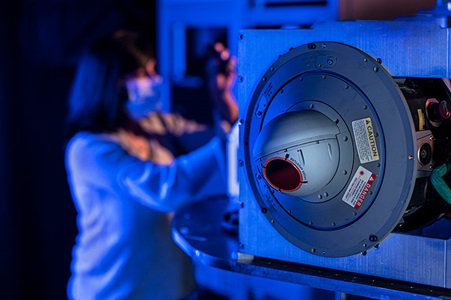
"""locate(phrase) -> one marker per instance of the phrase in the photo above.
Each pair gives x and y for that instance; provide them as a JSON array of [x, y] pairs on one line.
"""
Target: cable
[[439, 183]]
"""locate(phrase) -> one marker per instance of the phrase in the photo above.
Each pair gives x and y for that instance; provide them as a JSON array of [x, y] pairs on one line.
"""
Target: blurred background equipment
[[187, 29]]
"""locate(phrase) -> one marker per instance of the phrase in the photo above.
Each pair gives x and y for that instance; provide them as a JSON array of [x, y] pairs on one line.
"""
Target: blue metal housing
[[407, 49]]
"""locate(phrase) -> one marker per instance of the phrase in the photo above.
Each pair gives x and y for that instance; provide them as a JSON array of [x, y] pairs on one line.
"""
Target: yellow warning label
[[365, 140], [371, 139]]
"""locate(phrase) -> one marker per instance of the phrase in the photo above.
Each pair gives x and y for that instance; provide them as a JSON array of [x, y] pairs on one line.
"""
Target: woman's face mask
[[144, 96]]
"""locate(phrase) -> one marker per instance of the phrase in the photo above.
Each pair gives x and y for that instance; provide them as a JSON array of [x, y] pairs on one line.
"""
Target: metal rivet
[[373, 238]]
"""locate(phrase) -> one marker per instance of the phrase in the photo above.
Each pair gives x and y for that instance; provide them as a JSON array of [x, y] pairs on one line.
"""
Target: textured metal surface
[[199, 231], [407, 48], [416, 49], [403, 257]]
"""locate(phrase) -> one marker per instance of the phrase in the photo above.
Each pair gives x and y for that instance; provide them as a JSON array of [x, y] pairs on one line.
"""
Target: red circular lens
[[282, 174]]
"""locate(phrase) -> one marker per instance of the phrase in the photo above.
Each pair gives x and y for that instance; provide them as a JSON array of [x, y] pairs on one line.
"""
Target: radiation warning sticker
[[365, 140], [359, 187]]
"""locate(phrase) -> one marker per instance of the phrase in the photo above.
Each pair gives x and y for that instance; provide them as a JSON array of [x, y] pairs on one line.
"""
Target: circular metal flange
[[373, 183]]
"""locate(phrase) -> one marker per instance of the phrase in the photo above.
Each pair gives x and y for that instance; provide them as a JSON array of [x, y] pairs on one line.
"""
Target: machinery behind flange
[[429, 104]]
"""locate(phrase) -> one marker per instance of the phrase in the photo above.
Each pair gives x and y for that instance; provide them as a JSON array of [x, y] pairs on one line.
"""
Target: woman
[[127, 168]]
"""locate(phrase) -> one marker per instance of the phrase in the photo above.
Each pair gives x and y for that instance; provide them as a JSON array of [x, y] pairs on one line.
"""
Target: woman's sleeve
[[190, 178]]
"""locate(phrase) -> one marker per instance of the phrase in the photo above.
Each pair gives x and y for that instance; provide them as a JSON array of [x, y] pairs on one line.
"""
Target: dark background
[[40, 42]]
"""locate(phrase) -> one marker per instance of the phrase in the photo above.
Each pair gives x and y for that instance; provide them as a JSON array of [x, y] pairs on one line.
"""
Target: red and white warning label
[[359, 187]]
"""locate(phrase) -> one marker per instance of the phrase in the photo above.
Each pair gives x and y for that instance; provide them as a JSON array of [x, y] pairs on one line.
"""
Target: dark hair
[[96, 101]]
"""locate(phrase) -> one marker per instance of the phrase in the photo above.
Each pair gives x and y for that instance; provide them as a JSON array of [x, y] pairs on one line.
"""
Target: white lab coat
[[124, 248]]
